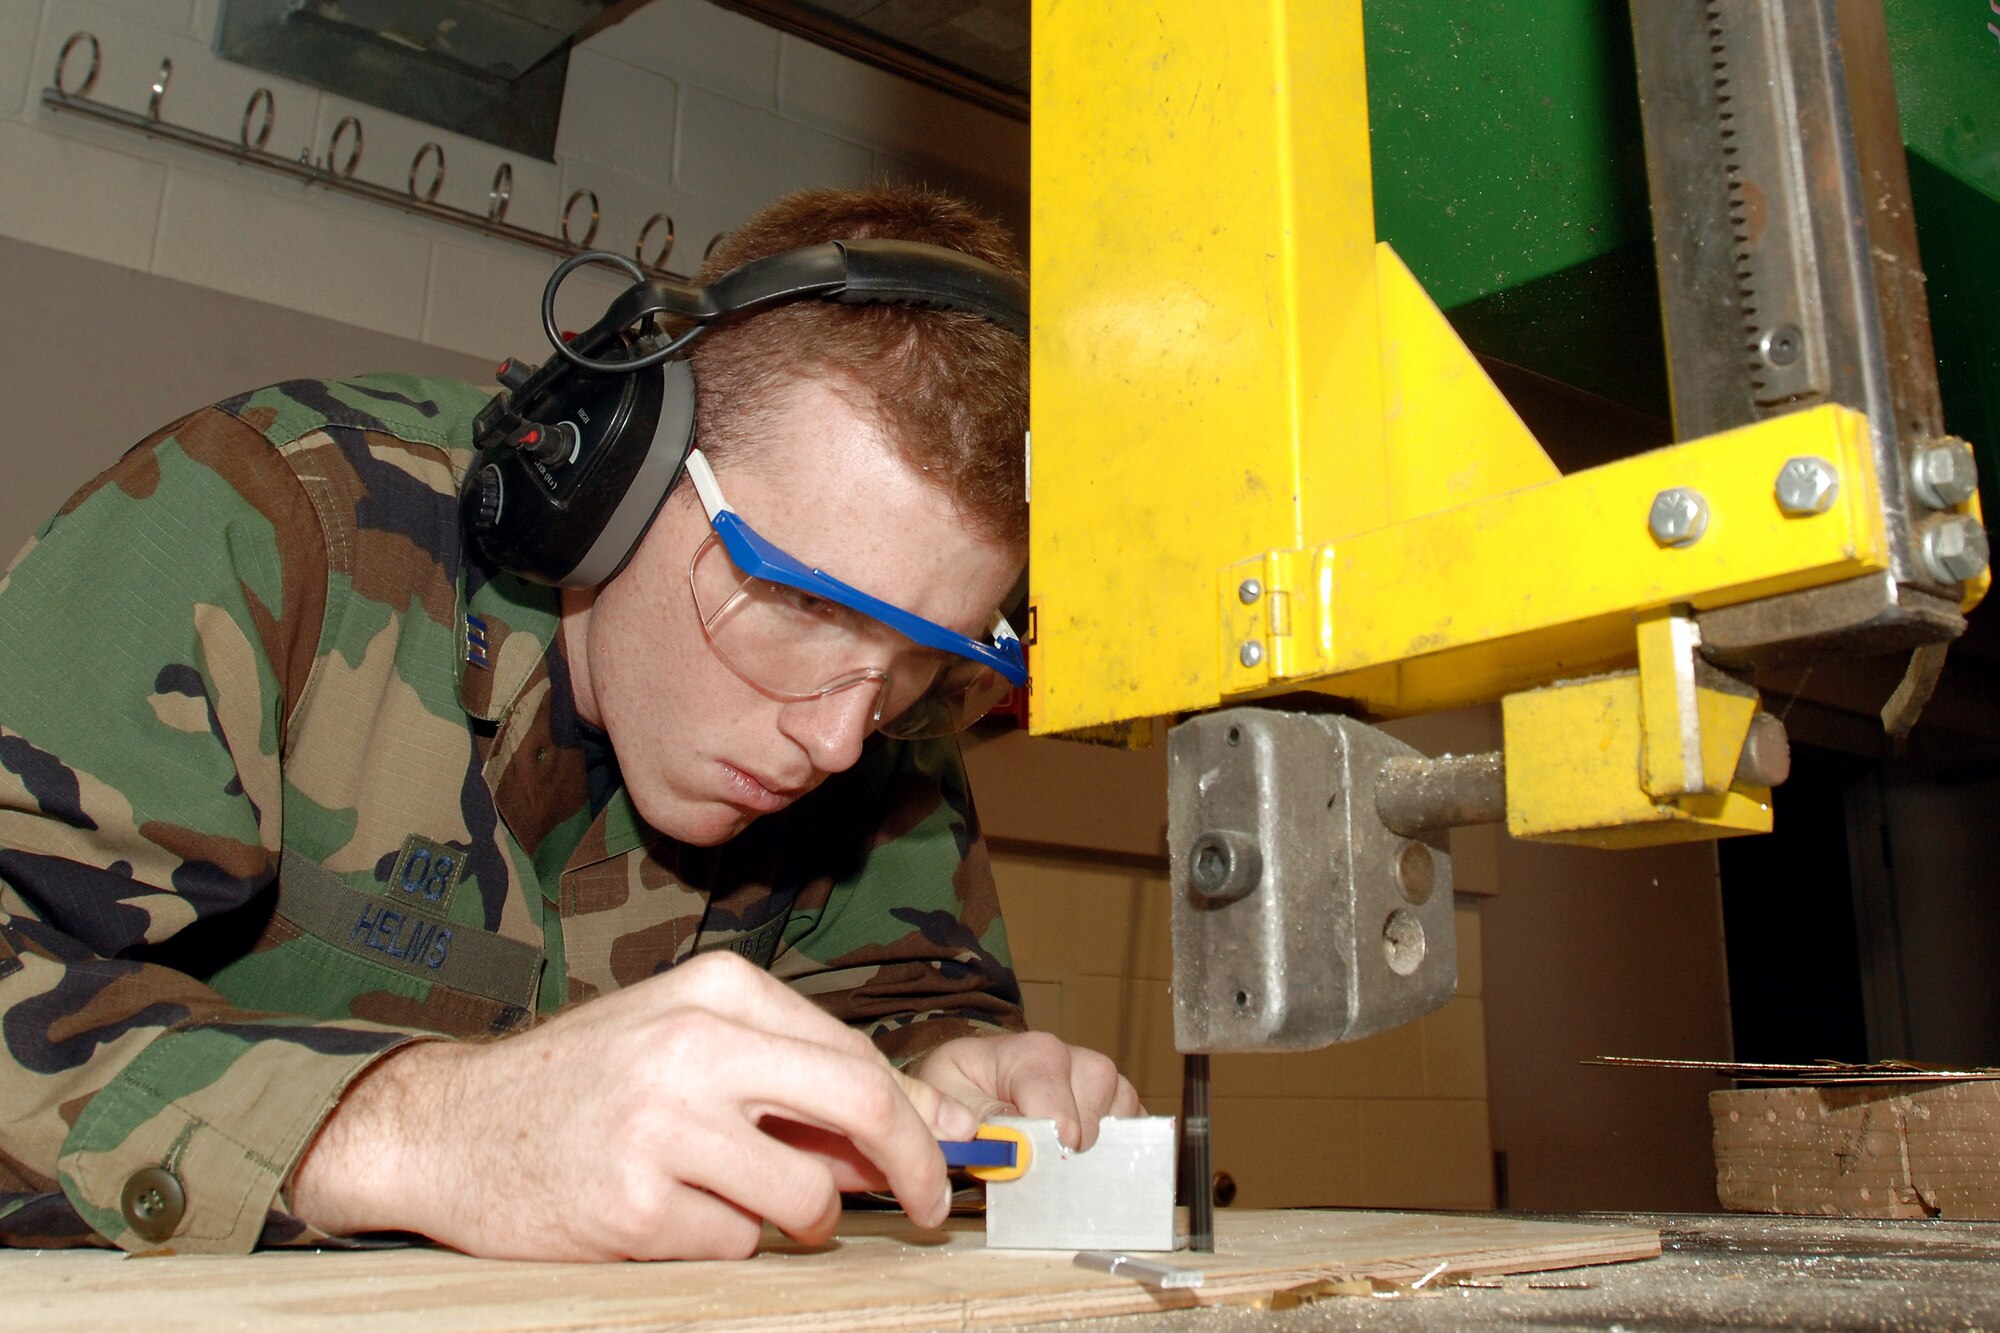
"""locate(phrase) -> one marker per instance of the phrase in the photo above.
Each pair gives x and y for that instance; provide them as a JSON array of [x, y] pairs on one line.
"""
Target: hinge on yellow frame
[[1274, 618]]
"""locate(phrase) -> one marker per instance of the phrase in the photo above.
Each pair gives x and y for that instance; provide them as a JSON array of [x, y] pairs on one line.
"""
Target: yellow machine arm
[[1263, 462], [1264, 465]]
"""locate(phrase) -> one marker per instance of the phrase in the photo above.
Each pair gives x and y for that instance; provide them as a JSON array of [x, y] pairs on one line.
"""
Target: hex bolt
[[1251, 653], [1223, 865], [1954, 548], [1678, 517], [1945, 473], [1248, 591], [1807, 486], [1782, 345]]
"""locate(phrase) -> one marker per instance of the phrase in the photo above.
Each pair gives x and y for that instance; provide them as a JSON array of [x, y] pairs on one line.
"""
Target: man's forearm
[[367, 1168], [630, 1127]]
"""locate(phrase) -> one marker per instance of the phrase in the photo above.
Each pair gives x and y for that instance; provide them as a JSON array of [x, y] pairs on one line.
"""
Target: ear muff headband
[[855, 272], [577, 456]]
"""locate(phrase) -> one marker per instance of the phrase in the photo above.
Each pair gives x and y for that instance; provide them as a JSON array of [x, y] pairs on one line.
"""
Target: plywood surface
[[880, 1273]]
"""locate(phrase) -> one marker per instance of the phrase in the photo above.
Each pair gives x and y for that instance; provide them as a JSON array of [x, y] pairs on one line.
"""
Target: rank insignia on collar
[[475, 641]]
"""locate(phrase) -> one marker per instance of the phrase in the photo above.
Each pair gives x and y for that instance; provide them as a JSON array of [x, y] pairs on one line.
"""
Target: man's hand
[[666, 1120], [1032, 1074]]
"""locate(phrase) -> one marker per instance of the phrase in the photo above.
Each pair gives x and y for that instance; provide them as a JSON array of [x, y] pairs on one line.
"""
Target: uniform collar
[[506, 627], [514, 686]]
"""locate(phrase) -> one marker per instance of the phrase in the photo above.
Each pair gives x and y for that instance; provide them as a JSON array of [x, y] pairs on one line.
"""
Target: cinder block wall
[[683, 108]]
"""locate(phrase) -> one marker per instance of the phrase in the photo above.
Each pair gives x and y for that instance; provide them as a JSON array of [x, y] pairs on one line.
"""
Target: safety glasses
[[797, 633]]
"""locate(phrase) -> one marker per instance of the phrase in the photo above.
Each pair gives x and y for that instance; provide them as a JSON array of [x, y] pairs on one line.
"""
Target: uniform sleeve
[[911, 946], [152, 639]]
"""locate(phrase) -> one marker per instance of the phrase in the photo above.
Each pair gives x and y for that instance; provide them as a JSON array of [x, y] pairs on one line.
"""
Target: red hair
[[951, 385]]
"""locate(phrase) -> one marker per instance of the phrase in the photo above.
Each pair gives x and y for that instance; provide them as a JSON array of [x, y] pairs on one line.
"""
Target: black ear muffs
[[565, 495], [577, 456]]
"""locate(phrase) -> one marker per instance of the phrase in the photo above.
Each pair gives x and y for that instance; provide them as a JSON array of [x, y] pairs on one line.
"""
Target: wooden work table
[[878, 1273]]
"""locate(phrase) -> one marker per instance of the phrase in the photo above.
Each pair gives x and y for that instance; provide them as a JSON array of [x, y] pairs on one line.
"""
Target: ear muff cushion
[[651, 483]]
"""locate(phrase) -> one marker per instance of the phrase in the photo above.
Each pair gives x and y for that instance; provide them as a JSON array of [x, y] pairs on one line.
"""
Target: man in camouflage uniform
[[292, 783]]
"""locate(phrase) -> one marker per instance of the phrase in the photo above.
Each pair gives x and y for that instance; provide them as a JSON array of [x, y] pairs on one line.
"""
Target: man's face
[[703, 752]]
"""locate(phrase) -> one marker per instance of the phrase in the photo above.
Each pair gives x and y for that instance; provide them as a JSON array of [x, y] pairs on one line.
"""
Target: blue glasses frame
[[761, 559]]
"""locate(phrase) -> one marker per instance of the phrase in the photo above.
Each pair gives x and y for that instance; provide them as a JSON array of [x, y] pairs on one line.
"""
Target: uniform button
[[154, 1203]]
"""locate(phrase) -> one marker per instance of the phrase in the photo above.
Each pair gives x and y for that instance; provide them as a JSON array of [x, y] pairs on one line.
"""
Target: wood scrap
[[1870, 1150], [1820, 1071]]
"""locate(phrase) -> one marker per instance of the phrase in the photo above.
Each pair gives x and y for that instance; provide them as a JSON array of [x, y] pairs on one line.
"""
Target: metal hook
[[62, 63], [501, 193], [345, 169], [262, 97], [430, 194], [576, 197], [334, 166], [160, 82], [666, 242]]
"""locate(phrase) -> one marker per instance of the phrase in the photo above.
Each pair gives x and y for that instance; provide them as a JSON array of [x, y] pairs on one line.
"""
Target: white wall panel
[[170, 14], [735, 152], [695, 42], [18, 25], [615, 112], [323, 255], [74, 195], [486, 296], [864, 104]]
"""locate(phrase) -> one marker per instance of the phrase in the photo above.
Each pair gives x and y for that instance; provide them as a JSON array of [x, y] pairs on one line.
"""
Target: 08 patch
[[430, 871], [405, 936], [760, 945]]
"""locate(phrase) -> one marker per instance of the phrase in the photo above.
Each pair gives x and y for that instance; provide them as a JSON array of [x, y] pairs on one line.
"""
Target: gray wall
[[97, 357]]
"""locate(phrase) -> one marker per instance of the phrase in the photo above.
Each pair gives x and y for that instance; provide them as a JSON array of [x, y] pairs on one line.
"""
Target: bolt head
[[1807, 486], [1251, 653], [1678, 517], [1945, 474], [1223, 866], [1955, 548], [1248, 591], [1783, 345], [1209, 866]]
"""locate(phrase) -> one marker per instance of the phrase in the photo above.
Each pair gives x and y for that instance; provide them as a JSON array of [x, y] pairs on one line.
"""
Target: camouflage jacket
[[287, 779]]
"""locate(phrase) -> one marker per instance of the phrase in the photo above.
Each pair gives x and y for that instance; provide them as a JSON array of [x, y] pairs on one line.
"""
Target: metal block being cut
[[1117, 1196], [1299, 918]]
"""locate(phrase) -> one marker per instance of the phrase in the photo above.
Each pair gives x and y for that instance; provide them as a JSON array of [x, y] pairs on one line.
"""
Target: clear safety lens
[[796, 645]]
